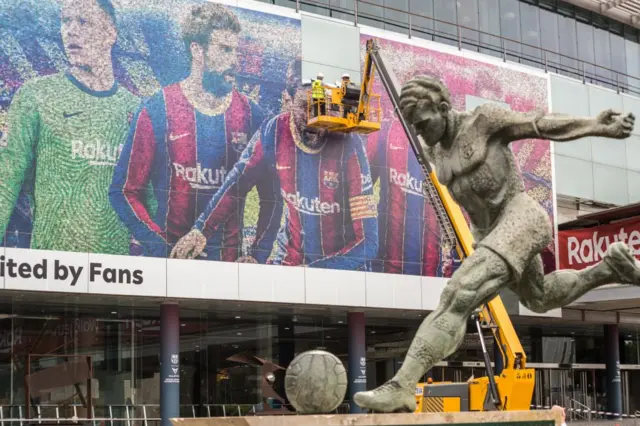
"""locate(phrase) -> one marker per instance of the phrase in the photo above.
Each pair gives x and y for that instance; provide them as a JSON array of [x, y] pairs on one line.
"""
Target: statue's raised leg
[[541, 293], [478, 280]]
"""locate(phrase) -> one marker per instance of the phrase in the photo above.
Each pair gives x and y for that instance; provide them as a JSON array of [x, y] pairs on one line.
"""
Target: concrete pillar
[[357, 357], [286, 344], [169, 362], [614, 384]]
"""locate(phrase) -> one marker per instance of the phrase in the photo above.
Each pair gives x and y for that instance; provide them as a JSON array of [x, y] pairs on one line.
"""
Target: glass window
[[530, 24], [633, 63], [422, 23], [569, 46], [630, 353], [371, 14], [561, 350], [489, 25], [397, 19], [583, 15], [510, 26], [549, 38], [285, 3], [468, 17], [445, 12], [565, 9], [585, 49], [317, 8], [619, 59], [602, 47], [345, 9]]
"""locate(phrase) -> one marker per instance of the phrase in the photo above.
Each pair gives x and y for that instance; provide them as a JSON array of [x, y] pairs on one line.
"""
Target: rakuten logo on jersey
[[407, 183], [311, 206], [585, 251], [201, 177], [96, 153]]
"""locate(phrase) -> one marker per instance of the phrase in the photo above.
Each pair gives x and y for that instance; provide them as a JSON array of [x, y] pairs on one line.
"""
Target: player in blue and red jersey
[[408, 226], [325, 182], [185, 140]]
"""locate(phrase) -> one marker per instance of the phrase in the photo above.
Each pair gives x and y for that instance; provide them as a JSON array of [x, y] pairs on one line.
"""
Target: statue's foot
[[620, 259], [388, 398]]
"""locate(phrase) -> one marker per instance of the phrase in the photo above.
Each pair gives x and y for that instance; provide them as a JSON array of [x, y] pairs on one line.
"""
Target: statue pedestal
[[493, 418]]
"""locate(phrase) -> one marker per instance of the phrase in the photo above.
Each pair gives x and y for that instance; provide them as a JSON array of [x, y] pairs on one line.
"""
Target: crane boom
[[457, 234]]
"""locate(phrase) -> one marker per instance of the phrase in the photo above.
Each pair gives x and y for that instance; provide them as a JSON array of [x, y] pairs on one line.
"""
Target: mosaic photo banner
[[175, 128]]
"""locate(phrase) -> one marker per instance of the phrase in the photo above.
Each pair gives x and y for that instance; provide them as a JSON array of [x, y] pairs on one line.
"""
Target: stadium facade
[[109, 159]]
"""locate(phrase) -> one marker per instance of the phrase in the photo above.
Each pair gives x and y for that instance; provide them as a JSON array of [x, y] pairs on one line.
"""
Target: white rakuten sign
[[584, 247]]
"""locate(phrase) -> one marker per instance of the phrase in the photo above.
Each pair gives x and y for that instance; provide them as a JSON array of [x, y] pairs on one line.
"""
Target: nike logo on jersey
[[71, 114], [173, 137], [201, 177], [395, 147], [96, 153], [279, 167], [310, 206], [407, 183]]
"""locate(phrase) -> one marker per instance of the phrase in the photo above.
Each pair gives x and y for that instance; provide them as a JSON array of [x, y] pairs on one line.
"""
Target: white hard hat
[[320, 75], [345, 75]]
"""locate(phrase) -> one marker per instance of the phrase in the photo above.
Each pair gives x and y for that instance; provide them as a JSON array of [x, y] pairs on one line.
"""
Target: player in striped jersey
[[410, 237], [324, 181], [186, 139]]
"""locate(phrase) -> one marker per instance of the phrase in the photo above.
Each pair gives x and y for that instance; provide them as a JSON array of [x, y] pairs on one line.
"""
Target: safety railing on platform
[[460, 36], [579, 410], [592, 414], [123, 414]]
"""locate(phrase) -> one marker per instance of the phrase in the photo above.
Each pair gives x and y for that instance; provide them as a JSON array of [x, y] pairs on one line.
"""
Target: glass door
[[589, 389], [626, 392], [560, 387], [541, 391]]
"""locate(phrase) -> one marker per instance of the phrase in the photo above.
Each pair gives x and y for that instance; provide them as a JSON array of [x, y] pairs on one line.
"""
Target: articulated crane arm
[[515, 383]]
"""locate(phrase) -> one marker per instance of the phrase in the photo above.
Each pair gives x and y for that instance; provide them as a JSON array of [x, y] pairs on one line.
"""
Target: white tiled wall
[[599, 169]]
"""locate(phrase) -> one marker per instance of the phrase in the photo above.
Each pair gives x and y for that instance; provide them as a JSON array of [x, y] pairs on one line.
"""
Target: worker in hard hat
[[346, 82], [317, 93]]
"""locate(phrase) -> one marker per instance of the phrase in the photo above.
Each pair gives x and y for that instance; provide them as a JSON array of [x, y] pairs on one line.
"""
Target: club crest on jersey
[[367, 182], [239, 141], [330, 179]]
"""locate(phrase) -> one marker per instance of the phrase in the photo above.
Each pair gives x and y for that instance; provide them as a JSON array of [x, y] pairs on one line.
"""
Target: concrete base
[[519, 418]]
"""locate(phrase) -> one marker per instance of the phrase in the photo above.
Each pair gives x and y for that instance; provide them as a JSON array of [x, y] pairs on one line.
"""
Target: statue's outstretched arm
[[512, 125]]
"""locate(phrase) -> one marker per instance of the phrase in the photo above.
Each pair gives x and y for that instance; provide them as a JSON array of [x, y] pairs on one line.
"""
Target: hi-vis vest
[[317, 89]]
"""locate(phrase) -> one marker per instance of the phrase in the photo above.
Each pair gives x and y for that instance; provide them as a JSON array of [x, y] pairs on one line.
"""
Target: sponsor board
[[581, 248]]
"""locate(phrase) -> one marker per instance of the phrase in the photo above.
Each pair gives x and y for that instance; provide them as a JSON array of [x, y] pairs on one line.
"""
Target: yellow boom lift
[[512, 389]]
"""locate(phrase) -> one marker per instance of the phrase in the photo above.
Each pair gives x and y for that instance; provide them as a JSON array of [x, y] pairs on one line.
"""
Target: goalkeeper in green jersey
[[65, 134]]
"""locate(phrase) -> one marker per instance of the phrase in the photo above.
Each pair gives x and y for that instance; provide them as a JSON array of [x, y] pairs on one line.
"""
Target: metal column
[[614, 385], [169, 362], [357, 367]]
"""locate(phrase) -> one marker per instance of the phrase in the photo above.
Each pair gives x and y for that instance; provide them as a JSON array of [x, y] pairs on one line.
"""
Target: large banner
[[133, 130], [470, 83], [580, 248]]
